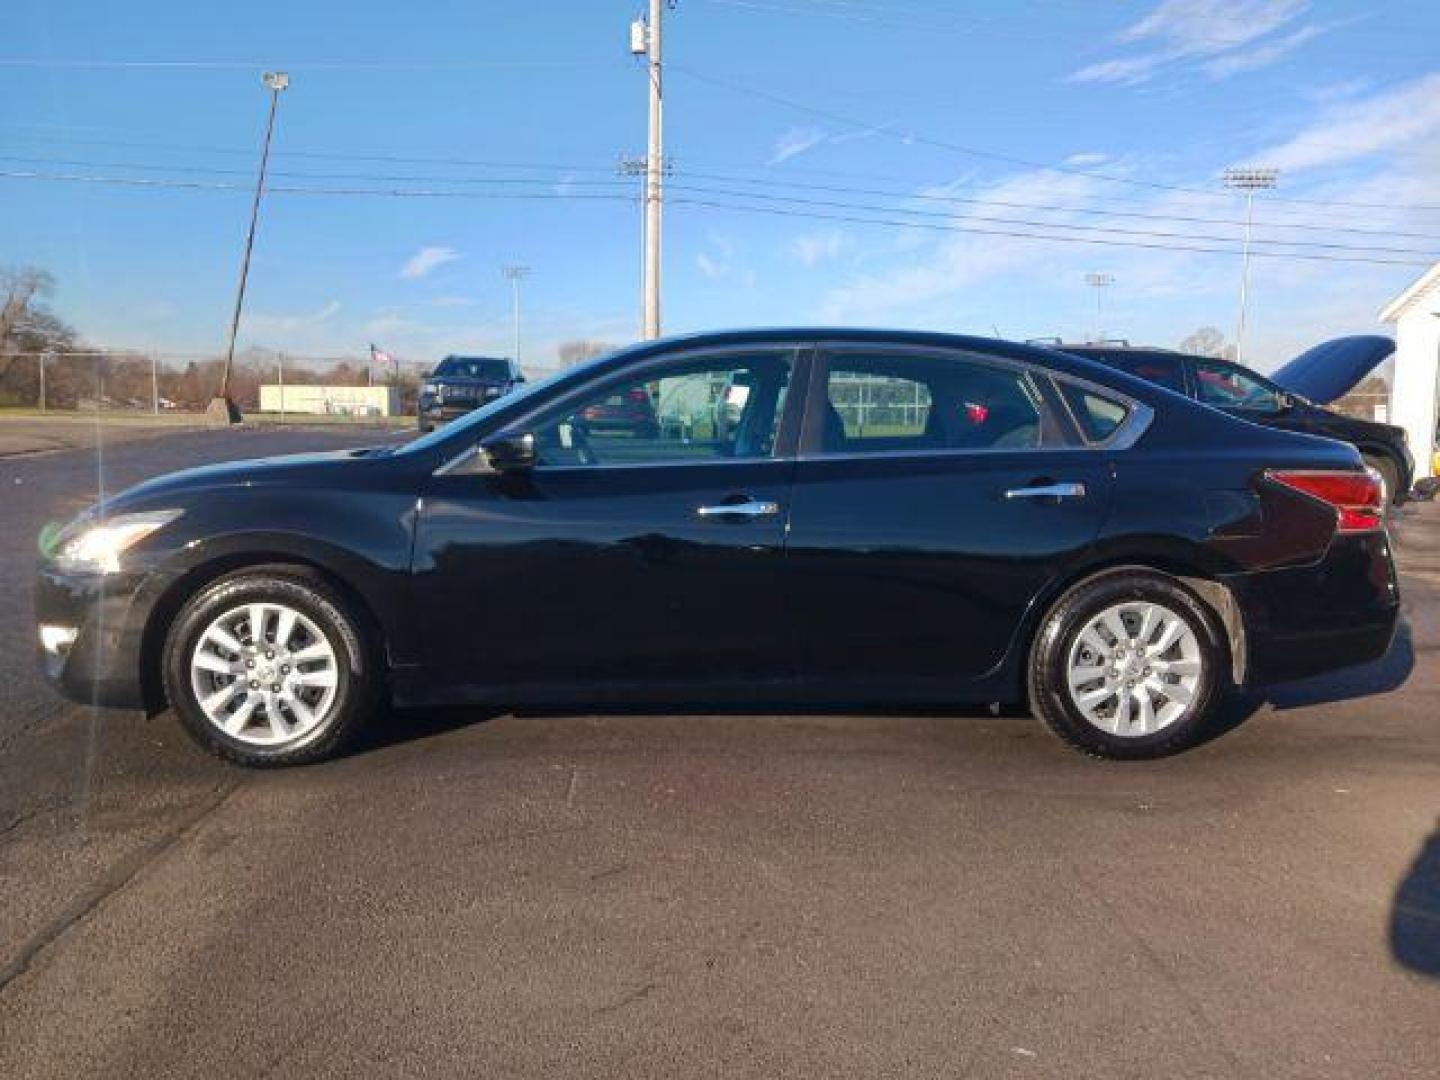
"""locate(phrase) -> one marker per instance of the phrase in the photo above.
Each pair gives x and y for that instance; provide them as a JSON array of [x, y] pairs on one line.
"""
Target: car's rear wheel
[[1389, 478], [269, 667], [1127, 665]]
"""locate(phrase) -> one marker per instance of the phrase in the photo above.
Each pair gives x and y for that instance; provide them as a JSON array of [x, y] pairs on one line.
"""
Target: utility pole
[[1249, 181], [222, 409], [1098, 282], [645, 39], [513, 273]]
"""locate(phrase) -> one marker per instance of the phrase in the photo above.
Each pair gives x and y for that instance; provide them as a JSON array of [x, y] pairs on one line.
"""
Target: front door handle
[[739, 509], [1058, 492]]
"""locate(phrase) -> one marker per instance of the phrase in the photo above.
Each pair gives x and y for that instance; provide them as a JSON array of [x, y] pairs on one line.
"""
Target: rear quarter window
[[1098, 415]]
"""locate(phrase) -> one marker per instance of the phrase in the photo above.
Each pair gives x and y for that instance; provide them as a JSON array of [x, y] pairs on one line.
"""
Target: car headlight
[[429, 388], [96, 546]]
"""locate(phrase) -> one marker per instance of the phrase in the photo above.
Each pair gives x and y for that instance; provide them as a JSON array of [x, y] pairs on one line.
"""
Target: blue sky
[[893, 109]]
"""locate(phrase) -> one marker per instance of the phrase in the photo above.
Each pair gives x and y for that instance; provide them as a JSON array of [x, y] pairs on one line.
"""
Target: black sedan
[[892, 519]]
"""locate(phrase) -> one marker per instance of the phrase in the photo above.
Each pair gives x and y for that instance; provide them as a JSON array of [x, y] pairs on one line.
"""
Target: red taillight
[[1354, 495]]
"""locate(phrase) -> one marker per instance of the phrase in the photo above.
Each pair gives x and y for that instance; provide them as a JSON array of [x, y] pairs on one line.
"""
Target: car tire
[[1149, 695], [1389, 476], [311, 664]]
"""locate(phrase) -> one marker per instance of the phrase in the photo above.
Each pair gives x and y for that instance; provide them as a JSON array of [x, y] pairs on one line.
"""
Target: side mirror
[[518, 379], [510, 453]]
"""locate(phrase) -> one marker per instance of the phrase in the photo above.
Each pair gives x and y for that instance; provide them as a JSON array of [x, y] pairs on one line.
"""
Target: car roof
[[1057, 360]]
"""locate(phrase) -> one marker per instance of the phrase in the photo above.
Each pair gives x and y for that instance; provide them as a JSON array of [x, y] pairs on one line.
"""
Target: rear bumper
[[1336, 613]]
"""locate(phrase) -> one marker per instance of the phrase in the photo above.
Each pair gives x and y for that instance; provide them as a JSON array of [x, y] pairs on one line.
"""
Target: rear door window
[[879, 403]]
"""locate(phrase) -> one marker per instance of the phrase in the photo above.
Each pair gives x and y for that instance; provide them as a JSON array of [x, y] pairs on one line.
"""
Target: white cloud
[[1217, 33], [1403, 116], [711, 267], [718, 263], [793, 142], [261, 323], [1087, 158], [427, 259], [1233, 63], [814, 248], [452, 301]]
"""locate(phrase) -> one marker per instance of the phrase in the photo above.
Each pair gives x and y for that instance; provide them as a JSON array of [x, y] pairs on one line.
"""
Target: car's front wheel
[[269, 667], [1127, 665]]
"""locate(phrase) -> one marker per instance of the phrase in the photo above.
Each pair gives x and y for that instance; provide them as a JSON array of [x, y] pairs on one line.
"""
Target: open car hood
[[1333, 368]]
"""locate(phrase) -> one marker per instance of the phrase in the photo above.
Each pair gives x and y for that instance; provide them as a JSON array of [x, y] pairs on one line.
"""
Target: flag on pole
[[380, 356]]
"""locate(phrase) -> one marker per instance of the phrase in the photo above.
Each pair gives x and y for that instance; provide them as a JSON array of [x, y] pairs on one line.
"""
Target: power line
[[308, 65], [1108, 229], [375, 177], [767, 197], [209, 185], [727, 177], [910, 136], [1056, 208], [1009, 233], [574, 167], [710, 203]]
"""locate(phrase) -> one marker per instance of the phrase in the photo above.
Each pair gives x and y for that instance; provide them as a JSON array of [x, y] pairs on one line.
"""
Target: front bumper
[[1336, 613], [443, 414], [108, 613]]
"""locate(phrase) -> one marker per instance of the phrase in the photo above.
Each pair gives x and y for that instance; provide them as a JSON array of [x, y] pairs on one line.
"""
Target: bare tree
[[577, 352], [1208, 341]]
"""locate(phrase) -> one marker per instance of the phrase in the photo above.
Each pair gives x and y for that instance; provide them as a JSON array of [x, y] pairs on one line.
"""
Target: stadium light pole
[[1249, 181], [513, 274], [1099, 282], [223, 408]]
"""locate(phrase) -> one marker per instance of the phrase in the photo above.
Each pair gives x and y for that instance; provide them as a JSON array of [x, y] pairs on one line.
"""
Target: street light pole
[[1249, 181], [513, 273], [223, 408], [1098, 282]]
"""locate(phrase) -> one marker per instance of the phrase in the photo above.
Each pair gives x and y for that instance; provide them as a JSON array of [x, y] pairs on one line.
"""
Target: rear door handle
[[1058, 492], [739, 509]]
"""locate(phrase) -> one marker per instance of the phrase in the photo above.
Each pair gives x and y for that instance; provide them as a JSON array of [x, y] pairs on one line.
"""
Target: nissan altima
[[888, 518]]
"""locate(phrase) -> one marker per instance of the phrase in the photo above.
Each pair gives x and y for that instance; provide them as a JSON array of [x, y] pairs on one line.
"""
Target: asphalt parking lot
[[799, 895]]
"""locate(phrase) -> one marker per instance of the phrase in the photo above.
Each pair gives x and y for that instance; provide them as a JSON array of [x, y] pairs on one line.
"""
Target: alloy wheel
[[265, 674], [1135, 669]]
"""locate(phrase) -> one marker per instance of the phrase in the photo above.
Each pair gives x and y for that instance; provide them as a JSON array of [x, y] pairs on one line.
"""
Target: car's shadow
[[1390, 672], [1415, 913], [1381, 676]]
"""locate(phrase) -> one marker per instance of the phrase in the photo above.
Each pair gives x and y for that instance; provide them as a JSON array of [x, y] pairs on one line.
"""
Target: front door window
[[695, 410]]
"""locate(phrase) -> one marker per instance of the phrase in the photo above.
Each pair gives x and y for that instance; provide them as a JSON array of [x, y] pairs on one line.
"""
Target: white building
[[330, 400], [1416, 389]]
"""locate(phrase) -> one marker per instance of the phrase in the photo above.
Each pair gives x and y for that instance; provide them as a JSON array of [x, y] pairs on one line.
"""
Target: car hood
[[246, 473], [1333, 368]]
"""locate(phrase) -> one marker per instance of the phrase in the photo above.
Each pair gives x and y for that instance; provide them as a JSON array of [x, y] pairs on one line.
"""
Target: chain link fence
[[175, 384]]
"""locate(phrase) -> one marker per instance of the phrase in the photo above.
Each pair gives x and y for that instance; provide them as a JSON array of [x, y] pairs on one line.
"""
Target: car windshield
[[471, 367]]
